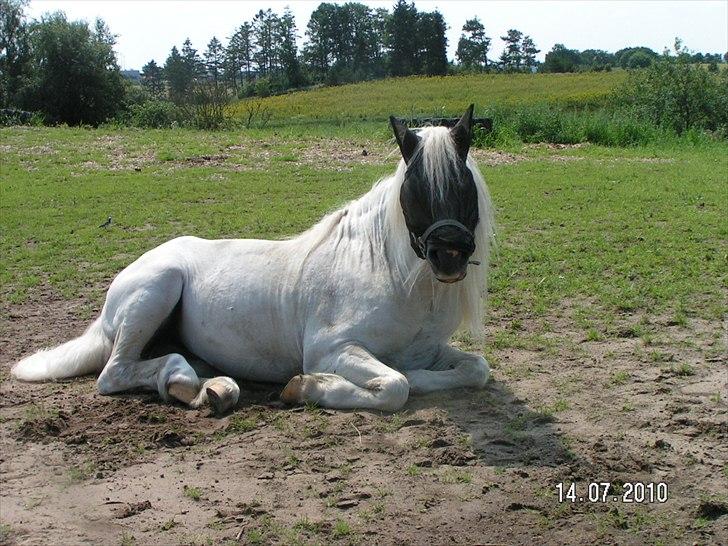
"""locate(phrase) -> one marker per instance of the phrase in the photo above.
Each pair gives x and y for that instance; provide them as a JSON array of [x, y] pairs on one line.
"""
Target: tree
[[178, 77], [473, 46], [528, 52], [639, 59], [287, 51], [265, 24], [153, 79], [15, 54], [403, 40], [76, 78], [320, 32], [596, 59], [623, 55], [239, 54], [366, 41], [431, 30], [512, 57], [561, 59], [192, 62], [214, 58]]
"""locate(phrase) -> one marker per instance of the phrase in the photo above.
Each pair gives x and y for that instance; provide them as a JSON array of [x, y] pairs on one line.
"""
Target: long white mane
[[378, 216]]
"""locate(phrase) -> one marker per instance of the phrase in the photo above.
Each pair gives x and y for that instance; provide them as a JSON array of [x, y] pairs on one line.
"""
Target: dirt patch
[[460, 467], [495, 157]]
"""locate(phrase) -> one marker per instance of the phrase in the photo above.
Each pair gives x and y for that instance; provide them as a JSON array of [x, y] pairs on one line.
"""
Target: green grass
[[615, 230], [194, 493], [435, 96]]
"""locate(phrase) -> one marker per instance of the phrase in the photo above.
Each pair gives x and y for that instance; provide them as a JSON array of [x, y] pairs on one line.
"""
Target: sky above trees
[[147, 29]]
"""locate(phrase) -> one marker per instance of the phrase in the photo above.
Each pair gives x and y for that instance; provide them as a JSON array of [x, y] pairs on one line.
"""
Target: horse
[[356, 312]]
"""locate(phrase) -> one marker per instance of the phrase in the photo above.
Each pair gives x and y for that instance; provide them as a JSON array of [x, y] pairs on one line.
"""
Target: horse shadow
[[504, 431]]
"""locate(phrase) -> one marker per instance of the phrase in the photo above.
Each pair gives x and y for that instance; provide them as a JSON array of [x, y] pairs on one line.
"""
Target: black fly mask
[[441, 215]]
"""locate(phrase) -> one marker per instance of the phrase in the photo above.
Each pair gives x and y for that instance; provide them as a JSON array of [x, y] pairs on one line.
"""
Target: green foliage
[[473, 46], [74, 77], [15, 53], [559, 125], [155, 114], [561, 59], [677, 95], [152, 78], [623, 57]]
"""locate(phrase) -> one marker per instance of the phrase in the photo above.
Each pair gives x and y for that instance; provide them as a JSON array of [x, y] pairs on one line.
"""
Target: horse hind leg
[[142, 309]]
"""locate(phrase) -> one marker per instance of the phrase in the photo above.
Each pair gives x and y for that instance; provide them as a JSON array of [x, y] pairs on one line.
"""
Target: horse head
[[439, 198]]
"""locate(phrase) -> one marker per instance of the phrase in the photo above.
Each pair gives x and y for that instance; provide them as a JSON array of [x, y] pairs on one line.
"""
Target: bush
[[559, 125], [12, 116], [154, 114], [677, 95]]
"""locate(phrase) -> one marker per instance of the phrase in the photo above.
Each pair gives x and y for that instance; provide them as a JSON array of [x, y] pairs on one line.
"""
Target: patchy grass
[[683, 370], [191, 492], [78, 474], [341, 529], [453, 475]]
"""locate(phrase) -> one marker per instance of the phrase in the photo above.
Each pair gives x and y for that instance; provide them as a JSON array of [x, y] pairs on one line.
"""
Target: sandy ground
[[463, 467]]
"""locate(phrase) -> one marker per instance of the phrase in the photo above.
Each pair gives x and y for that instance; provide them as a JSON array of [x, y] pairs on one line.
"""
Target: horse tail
[[86, 354]]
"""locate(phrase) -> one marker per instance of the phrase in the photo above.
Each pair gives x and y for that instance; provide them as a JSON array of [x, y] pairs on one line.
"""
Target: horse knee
[[392, 389], [478, 371], [177, 372]]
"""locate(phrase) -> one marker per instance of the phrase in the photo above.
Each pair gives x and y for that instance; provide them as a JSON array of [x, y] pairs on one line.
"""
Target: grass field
[[604, 334], [628, 230], [427, 96]]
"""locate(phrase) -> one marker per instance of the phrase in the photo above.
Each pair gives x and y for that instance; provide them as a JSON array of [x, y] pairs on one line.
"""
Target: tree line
[[68, 69]]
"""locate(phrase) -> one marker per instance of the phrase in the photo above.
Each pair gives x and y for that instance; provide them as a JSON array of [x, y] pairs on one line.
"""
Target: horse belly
[[230, 319]]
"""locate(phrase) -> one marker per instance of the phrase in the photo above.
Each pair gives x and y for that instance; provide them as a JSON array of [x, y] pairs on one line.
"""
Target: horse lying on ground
[[354, 313]]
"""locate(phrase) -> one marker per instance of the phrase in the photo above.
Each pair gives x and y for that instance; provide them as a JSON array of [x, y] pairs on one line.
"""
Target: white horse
[[354, 313]]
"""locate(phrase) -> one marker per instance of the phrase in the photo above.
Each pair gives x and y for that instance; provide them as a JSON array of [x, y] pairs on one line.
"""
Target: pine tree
[[403, 39], [264, 31], [214, 58], [287, 51], [152, 78], [318, 52], [473, 46], [192, 62], [511, 58], [239, 54], [528, 53], [177, 75], [433, 44]]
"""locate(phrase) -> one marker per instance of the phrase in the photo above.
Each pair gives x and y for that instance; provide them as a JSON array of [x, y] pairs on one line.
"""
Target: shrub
[[677, 95], [154, 114]]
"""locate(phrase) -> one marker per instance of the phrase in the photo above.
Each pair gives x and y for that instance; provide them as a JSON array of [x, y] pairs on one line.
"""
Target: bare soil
[[462, 467]]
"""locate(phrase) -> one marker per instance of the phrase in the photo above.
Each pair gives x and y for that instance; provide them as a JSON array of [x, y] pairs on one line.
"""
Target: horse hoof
[[293, 391], [220, 399], [184, 392], [222, 394]]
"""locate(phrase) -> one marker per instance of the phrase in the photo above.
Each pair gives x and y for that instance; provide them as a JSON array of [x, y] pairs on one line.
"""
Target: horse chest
[[408, 334]]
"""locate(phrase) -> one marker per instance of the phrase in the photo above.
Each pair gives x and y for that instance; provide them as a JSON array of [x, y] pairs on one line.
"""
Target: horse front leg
[[348, 378], [451, 369]]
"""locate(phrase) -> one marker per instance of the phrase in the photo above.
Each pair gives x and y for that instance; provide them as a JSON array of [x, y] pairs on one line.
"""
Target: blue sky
[[148, 29]]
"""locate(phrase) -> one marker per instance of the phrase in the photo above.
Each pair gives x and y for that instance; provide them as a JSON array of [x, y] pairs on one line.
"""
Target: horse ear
[[462, 133], [407, 140]]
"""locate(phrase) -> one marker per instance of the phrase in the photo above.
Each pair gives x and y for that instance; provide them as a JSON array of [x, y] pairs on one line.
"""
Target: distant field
[[420, 95]]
